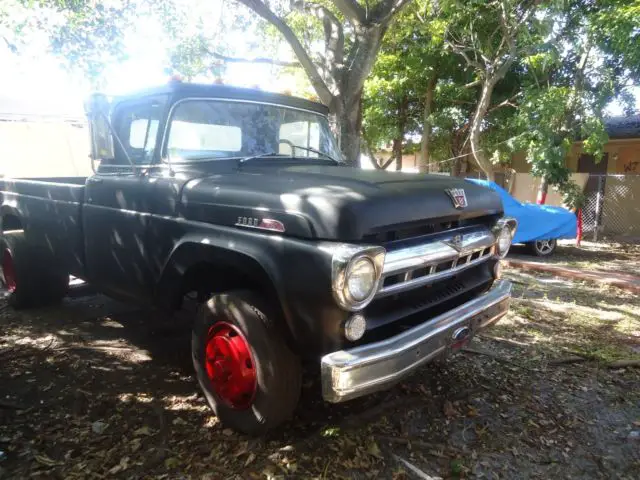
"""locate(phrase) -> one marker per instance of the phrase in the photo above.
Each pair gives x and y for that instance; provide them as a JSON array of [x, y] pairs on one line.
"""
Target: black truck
[[237, 201]]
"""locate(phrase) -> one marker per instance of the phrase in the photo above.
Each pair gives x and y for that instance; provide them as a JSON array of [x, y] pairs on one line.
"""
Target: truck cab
[[238, 201]]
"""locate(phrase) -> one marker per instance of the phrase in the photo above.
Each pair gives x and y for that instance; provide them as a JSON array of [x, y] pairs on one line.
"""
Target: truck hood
[[331, 202]]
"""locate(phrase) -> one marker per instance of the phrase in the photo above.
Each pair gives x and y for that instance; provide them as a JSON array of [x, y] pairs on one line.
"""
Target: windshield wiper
[[260, 155], [283, 155], [313, 150]]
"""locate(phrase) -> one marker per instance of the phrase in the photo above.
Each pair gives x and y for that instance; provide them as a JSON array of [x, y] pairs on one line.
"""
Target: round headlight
[[361, 279], [504, 241]]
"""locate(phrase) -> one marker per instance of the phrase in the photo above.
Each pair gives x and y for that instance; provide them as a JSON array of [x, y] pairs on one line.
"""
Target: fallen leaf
[[44, 460], [242, 449], [98, 427], [135, 445], [250, 458], [227, 432], [123, 465], [472, 412], [171, 462], [179, 421], [374, 450], [143, 431], [449, 410]]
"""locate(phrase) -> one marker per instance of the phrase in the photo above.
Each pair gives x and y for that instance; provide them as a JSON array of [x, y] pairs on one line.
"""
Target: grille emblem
[[455, 242], [458, 197], [460, 338]]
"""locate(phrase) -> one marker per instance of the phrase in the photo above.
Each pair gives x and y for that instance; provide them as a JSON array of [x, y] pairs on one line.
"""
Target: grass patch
[[560, 318]]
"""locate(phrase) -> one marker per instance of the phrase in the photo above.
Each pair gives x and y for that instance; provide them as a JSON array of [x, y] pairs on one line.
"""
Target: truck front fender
[[193, 250], [293, 275]]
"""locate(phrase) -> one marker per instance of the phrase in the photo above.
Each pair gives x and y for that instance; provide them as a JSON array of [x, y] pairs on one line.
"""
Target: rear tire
[[543, 248], [27, 278], [248, 374]]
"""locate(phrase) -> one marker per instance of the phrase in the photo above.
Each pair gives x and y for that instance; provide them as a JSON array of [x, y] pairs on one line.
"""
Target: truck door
[[118, 203]]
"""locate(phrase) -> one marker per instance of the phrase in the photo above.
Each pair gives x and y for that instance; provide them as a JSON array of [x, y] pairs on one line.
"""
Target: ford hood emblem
[[458, 197]]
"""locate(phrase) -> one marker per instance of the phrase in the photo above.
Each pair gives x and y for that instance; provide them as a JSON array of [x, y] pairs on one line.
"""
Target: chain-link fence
[[612, 205]]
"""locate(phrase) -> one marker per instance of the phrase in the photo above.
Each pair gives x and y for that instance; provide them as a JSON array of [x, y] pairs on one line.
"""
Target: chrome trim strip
[[451, 248], [429, 278], [399, 261], [351, 373]]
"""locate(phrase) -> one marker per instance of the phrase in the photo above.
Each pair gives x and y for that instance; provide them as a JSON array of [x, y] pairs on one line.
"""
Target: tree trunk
[[426, 126], [479, 154], [349, 118], [339, 80], [402, 122]]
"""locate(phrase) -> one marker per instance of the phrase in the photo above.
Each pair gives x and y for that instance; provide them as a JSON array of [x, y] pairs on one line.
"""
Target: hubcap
[[230, 366], [8, 271], [544, 246]]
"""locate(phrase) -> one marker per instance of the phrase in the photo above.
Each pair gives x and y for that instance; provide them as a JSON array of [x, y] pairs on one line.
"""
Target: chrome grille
[[418, 265]]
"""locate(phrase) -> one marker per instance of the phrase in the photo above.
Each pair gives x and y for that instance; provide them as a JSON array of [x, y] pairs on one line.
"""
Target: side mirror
[[98, 110]]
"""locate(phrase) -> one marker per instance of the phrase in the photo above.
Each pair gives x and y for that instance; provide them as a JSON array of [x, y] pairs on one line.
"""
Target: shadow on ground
[[94, 388]]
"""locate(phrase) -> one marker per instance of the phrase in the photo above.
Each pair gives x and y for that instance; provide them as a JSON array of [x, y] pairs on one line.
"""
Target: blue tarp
[[535, 222]]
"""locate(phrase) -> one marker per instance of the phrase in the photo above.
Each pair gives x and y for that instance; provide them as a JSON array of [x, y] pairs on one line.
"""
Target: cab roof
[[179, 90]]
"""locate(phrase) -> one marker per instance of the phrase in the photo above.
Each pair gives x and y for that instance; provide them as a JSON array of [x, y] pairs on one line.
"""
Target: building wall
[[624, 157], [409, 161], [628, 160], [525, 188], [43, 149]]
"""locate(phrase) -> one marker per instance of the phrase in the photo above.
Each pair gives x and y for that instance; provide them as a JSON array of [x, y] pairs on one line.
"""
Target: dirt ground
[[608, 255], [95, 389]]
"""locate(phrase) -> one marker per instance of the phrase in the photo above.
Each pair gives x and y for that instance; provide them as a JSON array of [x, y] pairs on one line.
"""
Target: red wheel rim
[[8, 271], [230, 366]]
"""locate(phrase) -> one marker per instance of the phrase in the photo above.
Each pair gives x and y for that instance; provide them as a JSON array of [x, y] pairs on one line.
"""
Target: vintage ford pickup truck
[[237, 201]]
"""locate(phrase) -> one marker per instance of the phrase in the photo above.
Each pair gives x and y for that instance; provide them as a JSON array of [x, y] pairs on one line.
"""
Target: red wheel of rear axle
[[8, 271], [230, 366]]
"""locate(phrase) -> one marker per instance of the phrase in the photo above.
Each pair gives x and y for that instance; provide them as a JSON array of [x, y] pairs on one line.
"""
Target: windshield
[[218, 129]]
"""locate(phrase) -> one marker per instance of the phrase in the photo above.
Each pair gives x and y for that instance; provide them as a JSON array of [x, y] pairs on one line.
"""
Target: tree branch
[[386, 9], [326, 96], [475, 83], [351, 10], [270, 61], [378, 164], [506, 103], [333, 32], [460, 50]]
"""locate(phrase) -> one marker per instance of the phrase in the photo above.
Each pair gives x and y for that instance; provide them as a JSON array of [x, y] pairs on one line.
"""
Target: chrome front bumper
[[348, 374]]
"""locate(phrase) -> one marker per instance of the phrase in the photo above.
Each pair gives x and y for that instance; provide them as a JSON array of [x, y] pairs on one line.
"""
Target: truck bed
[[49, 210]]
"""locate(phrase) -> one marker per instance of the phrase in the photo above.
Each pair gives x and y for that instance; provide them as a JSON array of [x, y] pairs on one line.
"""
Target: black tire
[[35, 285], [277, 369], [543, 248]]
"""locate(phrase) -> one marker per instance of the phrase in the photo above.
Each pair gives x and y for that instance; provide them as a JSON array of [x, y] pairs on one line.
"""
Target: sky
[[37, 80], [44, 85]]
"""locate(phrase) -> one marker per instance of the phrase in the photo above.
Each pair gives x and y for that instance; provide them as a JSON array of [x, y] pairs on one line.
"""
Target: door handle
[[94, 180]]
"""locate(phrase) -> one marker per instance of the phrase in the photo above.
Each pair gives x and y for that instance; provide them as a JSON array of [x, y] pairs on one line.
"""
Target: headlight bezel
[[344, 258], [508, 224]]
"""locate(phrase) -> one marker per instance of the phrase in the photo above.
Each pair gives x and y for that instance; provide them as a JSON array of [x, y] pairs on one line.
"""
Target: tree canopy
[[458, 81], [531, 76]]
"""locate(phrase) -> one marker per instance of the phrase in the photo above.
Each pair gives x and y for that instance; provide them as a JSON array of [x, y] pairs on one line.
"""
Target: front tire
[[543, 248], [249, 376]]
